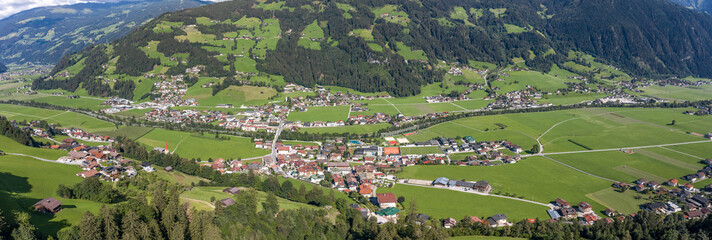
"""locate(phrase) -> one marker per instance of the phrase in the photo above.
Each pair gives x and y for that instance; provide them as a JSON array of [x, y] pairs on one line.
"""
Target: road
[[475, 192], [616, 149], [38, 158], [273, 155]]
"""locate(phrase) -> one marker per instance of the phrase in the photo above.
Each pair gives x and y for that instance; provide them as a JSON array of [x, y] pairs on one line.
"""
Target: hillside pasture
[[25, 181], [193, 145], [689, 93], [64, 118], [532, 178]]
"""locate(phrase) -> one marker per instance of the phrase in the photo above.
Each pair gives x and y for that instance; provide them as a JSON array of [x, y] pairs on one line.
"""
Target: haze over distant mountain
[[44, 34], [3, 68]]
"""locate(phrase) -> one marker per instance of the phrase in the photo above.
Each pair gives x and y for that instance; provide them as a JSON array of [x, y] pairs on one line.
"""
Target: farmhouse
[[497, 220], [386, 200], [232, 190], [88, 174], [449, 222], [227, 202], [48, 205]]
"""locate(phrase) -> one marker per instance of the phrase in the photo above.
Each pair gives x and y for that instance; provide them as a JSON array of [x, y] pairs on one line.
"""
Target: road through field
[[616, 149], [402, 181]]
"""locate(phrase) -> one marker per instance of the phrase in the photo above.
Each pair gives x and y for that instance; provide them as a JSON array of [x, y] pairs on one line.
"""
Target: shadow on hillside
[[10, 202]]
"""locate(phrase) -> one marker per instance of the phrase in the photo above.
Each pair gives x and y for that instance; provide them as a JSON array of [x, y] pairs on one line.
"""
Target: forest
[[641, 44]]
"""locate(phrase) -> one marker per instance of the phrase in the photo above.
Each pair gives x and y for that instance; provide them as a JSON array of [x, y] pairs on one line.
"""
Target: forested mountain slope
[[393, 45], [699, 5], [44, 34]]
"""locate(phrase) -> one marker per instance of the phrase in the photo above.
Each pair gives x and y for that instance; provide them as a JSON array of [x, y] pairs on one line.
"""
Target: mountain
[[3, 68], [699, 5], [394, 46], [44, 34]]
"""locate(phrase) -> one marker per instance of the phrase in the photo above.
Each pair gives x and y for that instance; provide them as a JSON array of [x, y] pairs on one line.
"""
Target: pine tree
[[108, 221], [132, 226], [270, 206], [89, 227], [24, 230]]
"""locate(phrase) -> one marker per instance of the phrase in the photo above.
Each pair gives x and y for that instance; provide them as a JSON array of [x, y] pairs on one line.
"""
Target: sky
[[9, 7]]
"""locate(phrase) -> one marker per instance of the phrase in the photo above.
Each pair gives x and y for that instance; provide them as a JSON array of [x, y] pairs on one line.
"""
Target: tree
[[24, 230], [133, 227], [401, 199], [535, 149], [108, 221], [270, 206], [89, 228]]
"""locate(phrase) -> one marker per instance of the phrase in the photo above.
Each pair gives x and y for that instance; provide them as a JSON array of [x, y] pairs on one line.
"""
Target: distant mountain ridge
[[699, 5], [43, 35], [393, 46], [3, 68]]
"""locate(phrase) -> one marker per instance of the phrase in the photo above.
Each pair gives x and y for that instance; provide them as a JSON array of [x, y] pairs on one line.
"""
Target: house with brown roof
[[88, 174], [227, 202], [48, 205], [232, 190], [386, 200]]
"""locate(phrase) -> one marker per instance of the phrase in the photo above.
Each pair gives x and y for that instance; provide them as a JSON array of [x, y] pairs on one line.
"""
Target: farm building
[[232, 190], [386, 200], [48, 205]]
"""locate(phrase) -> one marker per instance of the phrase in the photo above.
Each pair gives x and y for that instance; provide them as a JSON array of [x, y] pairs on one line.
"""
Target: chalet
[[568, 213], [562, 203], [338, 167], [641, 181], [654, 185], [688, 187], [585, 207], [88, 174], [672, 182], [421, 218], [168, 169], [610, 212], [147, 167], [227, 202], [449, 222], [694, 214], [589, 219], [620, 185], [656, 207], [232, 190], [497, 220], [386, 200], [483, 186], [477, 220], [48, 205]]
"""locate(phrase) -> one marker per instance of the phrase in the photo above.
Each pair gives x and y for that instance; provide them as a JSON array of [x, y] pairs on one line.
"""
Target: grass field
[[442, 203], [518, 80], [534, 178], [622, 202], [24, 181], [410, 54], [391, 14], [64, 118], [620, 166], [689, 93], [11, 146], [193, 145], [357, 129], [420, 150], [203, 195], [178, 177], [325, 114], [132, 132], [235, 95]]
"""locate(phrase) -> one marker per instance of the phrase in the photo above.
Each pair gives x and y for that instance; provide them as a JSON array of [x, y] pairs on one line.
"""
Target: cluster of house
[[484, 148], [479, 186], [39, 70], [82, 135], [696, 206], [497, 220], [584, 212], [184, 116], [96, 161], [519, 99]]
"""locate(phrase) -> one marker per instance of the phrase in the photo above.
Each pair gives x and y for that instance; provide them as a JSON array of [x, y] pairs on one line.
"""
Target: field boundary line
[[178, 144], [686, 154], [617, 149], [458, 106], [55, 115], [394, 106], [142, 135], [453, 122], [579, 170]]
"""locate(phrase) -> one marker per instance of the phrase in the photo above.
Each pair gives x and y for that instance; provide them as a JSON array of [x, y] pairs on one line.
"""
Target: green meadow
[[194, 145], [25, 181], [325, 114], [64, 118], [443, 203], [534, 178], [199, 197], [357, 129]]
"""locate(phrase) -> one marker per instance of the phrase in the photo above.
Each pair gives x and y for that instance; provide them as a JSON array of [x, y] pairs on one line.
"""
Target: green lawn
[[420, 150], [64, 118], [11, 146], [132, 132], [325, 114], [205, 193], [193, 145], [689, 93], [442, 203], [235, 95], [624, 202], [357, 129], [410, 54], [534, 178], [24, 181], [620, 166], [518, 80]]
